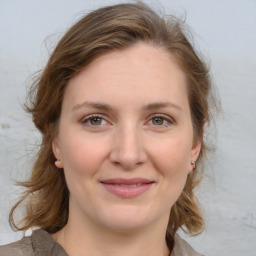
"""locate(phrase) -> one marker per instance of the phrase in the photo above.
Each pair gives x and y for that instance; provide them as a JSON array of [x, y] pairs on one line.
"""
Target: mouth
[[127, 188]]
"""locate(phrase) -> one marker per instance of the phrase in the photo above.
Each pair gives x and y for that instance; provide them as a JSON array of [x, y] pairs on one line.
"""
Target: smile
[[127, 188]]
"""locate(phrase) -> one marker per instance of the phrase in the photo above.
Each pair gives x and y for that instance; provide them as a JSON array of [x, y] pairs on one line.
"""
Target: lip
[[127, 188]]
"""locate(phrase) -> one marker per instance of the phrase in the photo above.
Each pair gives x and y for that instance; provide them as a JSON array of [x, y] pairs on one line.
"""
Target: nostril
[[125, 165], [127, 153]]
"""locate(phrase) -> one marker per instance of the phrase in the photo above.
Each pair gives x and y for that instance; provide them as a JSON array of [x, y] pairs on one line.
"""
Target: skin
[[135, 138]]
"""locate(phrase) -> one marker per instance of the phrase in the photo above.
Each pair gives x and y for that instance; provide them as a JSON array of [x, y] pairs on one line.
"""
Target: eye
[[161, 120], [158, 120], [94, 120]]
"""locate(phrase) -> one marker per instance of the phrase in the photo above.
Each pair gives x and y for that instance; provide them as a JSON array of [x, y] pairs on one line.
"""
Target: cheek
[[82, 156], [171, 159], [172, 155], [171, 163], [82, 159]]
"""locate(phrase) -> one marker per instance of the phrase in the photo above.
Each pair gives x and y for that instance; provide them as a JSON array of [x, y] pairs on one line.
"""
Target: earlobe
[[197, 144], [56, 152], [195, 152], [58, 164]]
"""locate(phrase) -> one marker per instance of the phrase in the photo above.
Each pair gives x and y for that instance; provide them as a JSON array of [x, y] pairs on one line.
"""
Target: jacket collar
[[44, 245]]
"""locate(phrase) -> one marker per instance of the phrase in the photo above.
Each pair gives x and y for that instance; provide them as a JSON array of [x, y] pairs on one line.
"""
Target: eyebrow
[[96, 105], [107, 107], [157, 105]]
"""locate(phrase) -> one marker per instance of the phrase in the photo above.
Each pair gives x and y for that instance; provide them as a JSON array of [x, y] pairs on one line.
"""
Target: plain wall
[[225, 32]]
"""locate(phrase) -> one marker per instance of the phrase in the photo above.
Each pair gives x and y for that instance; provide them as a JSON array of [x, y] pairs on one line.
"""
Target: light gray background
[[225, 33]]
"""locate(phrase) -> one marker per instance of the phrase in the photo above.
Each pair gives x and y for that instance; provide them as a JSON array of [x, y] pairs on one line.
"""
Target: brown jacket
[[40, 243]]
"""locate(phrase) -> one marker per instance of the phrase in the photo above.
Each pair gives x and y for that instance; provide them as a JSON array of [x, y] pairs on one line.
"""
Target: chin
[[127, 219]]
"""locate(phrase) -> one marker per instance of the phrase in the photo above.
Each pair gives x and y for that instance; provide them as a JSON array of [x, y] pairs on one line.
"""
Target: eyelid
[[86, 118], [167, 118]]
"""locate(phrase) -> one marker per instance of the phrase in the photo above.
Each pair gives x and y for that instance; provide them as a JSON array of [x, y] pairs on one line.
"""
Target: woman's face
[[125, 139]]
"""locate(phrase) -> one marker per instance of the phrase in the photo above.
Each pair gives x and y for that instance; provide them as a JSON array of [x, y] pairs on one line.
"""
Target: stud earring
[[193, 163]]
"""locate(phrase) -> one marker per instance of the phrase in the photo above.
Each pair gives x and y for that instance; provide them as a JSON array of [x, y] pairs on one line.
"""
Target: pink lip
[[127, 188]]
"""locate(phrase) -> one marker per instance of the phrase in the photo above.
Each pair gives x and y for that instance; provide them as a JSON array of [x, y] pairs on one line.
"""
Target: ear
[[195, 152], [56, 152]]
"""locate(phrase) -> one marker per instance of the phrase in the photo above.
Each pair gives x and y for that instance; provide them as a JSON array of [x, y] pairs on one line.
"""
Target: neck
[[81, 239]]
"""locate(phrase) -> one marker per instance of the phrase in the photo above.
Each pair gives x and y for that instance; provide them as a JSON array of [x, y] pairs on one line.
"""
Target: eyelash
[[86, 119], [165, 118]]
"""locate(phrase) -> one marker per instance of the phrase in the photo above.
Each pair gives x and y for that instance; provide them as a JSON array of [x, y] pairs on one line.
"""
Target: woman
[[121, 105]]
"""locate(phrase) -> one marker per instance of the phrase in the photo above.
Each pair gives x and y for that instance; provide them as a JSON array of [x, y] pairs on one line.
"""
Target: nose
[[127, 150]]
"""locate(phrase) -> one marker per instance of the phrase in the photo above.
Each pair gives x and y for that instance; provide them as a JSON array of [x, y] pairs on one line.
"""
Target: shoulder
[[40, 243], [22, 247], [182, 248]]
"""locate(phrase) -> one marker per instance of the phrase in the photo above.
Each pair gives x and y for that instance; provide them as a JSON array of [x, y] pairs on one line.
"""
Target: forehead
[[138, 74]]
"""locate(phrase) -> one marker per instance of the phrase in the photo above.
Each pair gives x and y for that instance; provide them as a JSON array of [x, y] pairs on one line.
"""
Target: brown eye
[[158, 120], [95, 120]]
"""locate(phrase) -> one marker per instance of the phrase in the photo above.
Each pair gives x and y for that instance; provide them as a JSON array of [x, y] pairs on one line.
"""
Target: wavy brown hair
[[46, 195]]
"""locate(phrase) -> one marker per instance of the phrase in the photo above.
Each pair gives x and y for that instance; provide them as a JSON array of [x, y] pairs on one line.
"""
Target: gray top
[[40, 243]]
